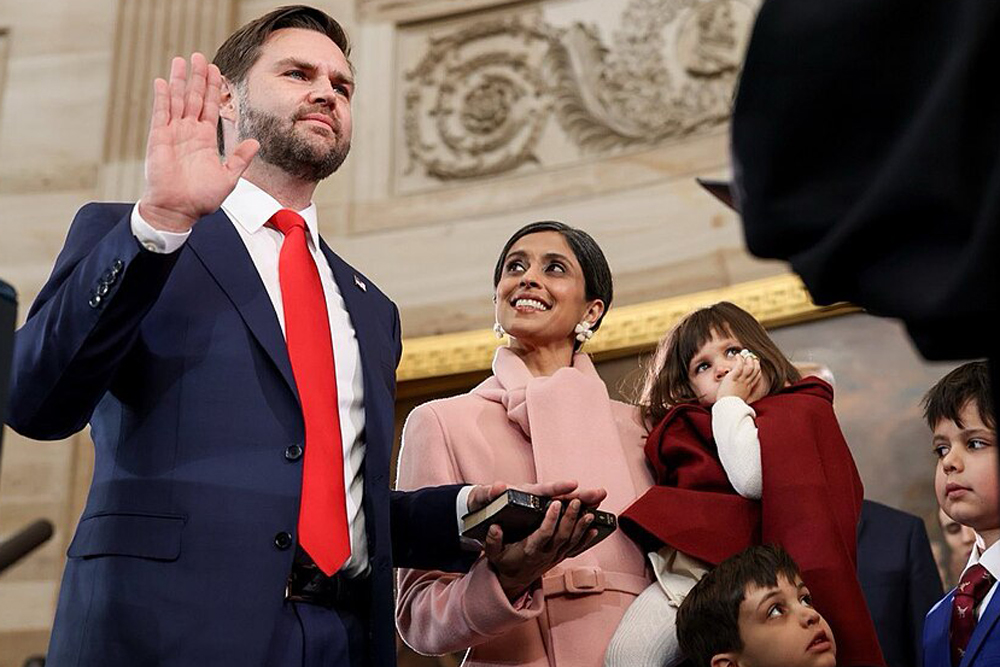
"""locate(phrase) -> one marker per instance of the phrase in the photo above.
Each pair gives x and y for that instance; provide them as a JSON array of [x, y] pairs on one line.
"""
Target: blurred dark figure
[[866, 149], [899, 579]]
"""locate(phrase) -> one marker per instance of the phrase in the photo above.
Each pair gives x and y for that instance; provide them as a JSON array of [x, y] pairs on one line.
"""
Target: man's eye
[[296, 74], [342, 90]]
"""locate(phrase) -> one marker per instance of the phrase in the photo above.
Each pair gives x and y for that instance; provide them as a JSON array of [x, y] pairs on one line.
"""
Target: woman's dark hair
[[666, 379], [596, 272], [241, 50]]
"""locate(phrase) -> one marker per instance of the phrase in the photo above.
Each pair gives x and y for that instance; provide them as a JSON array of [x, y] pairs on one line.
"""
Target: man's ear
[[724, 660], [227, 101]]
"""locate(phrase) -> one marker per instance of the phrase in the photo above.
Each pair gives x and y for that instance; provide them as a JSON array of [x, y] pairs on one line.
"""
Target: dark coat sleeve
[[425, 530], [83, 323]]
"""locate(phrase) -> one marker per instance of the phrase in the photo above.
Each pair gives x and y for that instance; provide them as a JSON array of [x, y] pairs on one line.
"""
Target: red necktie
[[970, 592], [323, 529]]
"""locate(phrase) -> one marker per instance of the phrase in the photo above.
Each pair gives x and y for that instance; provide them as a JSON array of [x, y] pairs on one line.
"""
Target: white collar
[[988, 558], [250, 207]]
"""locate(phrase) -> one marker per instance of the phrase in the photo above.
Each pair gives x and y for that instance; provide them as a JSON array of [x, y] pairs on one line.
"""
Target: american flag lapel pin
[[361, 284]]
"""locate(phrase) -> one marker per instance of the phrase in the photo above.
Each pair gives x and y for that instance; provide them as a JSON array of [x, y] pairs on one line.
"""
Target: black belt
[[307, 583]]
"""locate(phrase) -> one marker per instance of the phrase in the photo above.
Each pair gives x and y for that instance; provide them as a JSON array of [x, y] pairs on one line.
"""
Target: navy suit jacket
[[899, 579], [984, 645], [179, 365]]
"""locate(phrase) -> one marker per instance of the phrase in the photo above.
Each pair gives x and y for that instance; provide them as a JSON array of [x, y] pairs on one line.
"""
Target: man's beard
[[282, 147]]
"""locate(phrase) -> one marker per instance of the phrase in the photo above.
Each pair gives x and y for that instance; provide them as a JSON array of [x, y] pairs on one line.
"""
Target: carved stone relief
[[482, 99]]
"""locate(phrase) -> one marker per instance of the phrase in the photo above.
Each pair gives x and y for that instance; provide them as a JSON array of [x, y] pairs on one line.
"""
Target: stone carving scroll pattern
[[148, 33], [482, 95]]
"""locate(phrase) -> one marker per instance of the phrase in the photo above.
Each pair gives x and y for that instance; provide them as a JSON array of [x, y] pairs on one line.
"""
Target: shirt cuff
[[155, 240]]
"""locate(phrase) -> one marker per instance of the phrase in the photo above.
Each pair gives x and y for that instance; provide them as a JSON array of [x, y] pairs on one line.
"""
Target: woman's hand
[[520, 564]]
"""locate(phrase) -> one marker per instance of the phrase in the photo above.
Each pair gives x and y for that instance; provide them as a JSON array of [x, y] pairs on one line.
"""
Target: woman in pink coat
[[543, 415]]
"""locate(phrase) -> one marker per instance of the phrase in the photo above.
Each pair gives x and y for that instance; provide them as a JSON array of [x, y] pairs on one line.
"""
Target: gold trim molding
[[776, 301]]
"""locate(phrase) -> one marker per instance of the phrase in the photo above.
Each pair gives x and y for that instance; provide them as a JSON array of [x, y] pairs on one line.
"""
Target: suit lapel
[[983, 627], [937, 649], [358, 307], [218, 246]]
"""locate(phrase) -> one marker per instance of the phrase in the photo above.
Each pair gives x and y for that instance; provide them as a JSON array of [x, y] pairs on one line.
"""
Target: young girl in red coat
[[744, 451]]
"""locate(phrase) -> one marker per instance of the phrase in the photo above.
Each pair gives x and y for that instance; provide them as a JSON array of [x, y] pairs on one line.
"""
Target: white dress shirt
[[990, 559], [250, 208]]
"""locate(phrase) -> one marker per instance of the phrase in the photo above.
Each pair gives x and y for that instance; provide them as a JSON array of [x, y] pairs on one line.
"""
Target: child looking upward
[[744, 452], [962, 630], [754, 609]]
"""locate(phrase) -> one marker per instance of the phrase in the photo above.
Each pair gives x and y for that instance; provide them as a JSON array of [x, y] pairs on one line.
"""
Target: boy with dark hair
[[961, 630], [753, 609]]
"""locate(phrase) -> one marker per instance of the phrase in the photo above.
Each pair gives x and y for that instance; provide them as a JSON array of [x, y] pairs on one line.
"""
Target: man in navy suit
[[164, 326], [898, 577]]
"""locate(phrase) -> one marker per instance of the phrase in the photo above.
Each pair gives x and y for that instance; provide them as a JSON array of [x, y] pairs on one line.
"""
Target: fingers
[[552, 489], [178, 77], [591, 497], [580, 529], [213, 95], [161, 104], [483, 494], [493, 547], [567, 526], [194, 98], [240, 159], [585, 543], [541, 539]]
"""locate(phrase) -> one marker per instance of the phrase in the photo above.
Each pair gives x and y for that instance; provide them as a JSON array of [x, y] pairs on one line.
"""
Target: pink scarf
[[567, 420]]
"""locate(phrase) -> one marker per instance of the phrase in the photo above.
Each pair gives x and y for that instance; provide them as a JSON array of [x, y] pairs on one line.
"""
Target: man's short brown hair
[[242, 49]]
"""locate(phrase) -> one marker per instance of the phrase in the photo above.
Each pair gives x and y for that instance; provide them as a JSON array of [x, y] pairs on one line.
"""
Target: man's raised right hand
[[185, 177]]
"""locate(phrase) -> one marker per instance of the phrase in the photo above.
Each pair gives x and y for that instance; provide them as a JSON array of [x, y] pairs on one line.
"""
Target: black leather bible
[[520, 513]]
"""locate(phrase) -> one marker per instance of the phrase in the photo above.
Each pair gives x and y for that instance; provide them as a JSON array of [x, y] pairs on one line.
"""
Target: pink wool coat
[[517, 429]]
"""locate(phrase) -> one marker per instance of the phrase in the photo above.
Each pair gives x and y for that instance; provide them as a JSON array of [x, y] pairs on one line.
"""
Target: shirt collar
[[250, 208], [988, 558]]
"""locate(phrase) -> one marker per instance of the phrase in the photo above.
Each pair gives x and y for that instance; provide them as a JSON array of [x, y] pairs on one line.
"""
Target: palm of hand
[[183, 166], [185, 177]]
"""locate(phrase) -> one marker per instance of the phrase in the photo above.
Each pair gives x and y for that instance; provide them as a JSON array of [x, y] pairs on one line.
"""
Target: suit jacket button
[[95, 301], [117, 266], [103, 289], [293, 452], [283, 540]]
